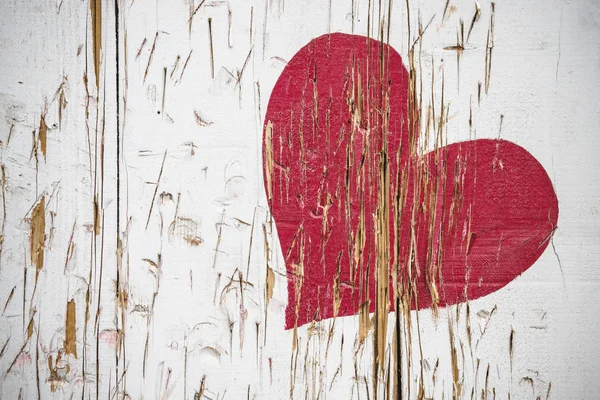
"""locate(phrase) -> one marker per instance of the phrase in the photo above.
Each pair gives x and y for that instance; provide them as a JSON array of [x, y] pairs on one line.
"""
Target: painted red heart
[[463, 220]]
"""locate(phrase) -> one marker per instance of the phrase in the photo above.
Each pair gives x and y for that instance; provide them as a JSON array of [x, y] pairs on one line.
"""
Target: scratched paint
[[468, 217], [227, 199]]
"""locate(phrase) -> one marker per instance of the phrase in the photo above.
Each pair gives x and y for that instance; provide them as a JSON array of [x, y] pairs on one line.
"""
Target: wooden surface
[[138, 255]]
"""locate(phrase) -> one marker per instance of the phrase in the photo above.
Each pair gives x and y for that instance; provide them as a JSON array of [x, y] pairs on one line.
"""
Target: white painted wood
[[165, 319]]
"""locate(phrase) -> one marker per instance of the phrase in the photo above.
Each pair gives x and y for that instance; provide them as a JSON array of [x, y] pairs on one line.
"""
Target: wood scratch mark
[[193, 14], [251, 23], [150, 57], [37, 235], [70, 247], [200, 120], [445, 11], [10, 132], [269, 160], [241, 73], [70, 343], [4, 347], [457, 387], [141, 48], [212, 59], [156, 189], [62, 100], [3, 191], [184, 66], [96, 14], [43, 133], [475, 18], [10, 296], [175, 66], [29, 333], [510, 348]]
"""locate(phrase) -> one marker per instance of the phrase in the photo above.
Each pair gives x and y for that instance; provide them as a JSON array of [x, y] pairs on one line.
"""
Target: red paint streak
[[483, 210]]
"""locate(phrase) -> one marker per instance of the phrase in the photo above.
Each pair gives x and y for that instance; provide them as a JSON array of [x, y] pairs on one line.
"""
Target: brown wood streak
[[269, 160], [382, 263], [96, 15], [37, 238], [43, 134], [457, 386], [70, 343]]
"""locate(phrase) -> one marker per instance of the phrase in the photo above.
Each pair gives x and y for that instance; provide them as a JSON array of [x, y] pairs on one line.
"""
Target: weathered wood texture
[[138, 255]]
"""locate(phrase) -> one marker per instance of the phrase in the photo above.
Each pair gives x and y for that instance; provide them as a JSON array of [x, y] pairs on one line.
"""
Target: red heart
[[463, 220]]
